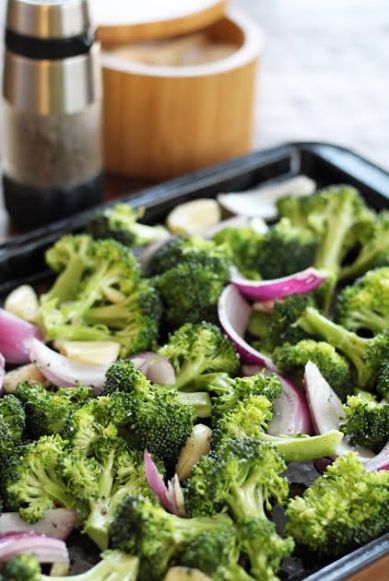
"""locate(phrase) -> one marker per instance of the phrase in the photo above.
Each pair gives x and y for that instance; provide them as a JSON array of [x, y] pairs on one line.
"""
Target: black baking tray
[[22, 259]]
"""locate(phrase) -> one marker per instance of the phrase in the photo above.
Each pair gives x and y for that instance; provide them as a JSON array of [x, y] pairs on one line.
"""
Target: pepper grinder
[[52, 101]]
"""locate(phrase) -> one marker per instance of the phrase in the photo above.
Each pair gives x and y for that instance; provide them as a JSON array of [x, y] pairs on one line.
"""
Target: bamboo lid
[[121, 21]]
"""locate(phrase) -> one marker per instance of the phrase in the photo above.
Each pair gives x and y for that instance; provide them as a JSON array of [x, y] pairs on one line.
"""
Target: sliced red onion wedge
[[15, 337], [234, 314], [61, 371], [327, 410], [57, 523], [157, 483], [2, 372], [155, 367], [46, 549], [290, 412], [379, 462], [269, 290]]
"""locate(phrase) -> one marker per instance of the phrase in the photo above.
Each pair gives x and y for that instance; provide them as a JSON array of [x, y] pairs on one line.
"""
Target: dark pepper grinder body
[[52, 99]]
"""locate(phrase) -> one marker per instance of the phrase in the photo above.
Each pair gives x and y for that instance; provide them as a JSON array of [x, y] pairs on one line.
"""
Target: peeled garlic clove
[[185, 574], [198, 444], [193, 217], [23, 302], [94, 352], [22, 374]]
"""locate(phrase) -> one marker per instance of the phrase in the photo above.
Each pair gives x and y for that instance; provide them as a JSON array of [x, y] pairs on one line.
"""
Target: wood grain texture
[[377, 571], [163, 122], [164, 28]]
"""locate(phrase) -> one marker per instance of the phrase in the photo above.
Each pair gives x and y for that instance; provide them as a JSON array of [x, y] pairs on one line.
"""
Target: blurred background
[[323, 73]]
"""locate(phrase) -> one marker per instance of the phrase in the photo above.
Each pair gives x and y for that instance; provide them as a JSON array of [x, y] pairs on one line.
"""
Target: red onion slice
[[57, 523], [15, 337], [270, 290], [155, 367], [61, 371], [290, 412], [379, 462], [46, 549], [234, 314], [157, 483], [327, 410]]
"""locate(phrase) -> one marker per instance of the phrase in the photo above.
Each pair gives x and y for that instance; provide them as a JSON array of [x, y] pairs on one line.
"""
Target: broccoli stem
[[372, 321], [97, 524], [189, 371], [116, 566], [199, 401], [305, 448], [68, 281], [347, 342], [246, 501]]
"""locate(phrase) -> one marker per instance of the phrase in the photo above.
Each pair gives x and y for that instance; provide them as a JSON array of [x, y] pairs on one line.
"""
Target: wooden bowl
[[163, 121]]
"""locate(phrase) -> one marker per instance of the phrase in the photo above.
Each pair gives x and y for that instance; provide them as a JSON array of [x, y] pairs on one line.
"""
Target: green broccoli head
[[120, 222], [243, 475], [278, 327], [191, 274], [364, 306], [382, 384], [24, 567], [248, 418], [123, 376], [99, 418], [48, 412], [109, 300], [344, 508], [197, 349], [34, 483], [243, 246], [366, 422], [103, 481], [211, 551], [286, 249], [264, 548], [161, 424], [367, 355], [371, 247], [292, 359], [331, 215], [12, 425], [157, 537]]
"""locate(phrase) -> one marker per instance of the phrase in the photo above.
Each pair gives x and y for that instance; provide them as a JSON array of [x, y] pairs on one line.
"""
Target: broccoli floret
[[250, 418], [100, 417], [120, 222], [277, 327], [346, 507], [191, 276], [243, 476], [285, 250], [366, 422], [367, 355], [365, 305], [109, 300], [262, 545], [158, 419], [292, 359], [330, 215], [12, 425], [197, 349], [34, 483], [103, 482], [227, 392], [147, 530], [382, 385], [282, 251], [24, 567], [211, 551], [243, 246], [48, 412], [372, 243]]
